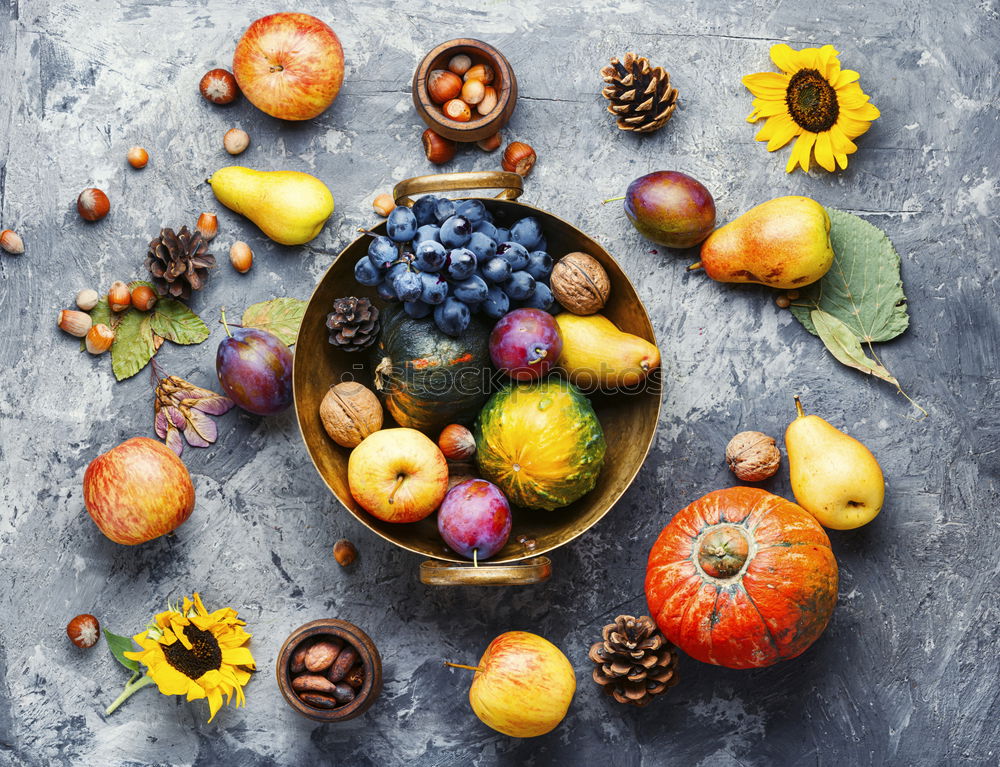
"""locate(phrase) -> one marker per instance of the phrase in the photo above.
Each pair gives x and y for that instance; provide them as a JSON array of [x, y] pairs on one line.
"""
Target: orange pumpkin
[[742, 578]]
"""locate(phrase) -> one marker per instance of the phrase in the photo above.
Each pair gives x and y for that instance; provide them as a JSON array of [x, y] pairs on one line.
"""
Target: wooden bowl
[[629, 419], [367, 654], [482, 126]]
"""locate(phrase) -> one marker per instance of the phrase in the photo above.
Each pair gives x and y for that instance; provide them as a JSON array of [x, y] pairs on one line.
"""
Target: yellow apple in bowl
[[523, 685], [289, 65], [398, 475]]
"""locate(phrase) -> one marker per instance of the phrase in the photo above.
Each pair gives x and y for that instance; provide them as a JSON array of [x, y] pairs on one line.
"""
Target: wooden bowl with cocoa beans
[[329, 670]]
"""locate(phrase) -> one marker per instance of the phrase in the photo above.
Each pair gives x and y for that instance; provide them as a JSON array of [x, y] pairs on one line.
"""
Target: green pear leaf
[[863, 288], [133, 346], [280, 316], [176, 322], [120, 645], [841, 342]]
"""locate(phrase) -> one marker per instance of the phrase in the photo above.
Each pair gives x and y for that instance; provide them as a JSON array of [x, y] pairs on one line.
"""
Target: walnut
[[580, 283], [753, 456], [350, 412]]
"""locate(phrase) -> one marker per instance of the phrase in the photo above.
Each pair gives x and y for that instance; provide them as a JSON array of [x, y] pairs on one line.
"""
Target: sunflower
[[813, 99], [196, 653]]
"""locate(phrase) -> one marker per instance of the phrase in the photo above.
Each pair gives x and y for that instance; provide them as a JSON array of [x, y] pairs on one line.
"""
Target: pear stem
[[694, 266], [462, 665], [798, 407], [612, 199], [475, 557], [224, 323]]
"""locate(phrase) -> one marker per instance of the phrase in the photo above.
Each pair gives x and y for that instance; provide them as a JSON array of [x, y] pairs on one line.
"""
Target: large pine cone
[[641, 97], [634, 661], [353, 323], [179, 263]]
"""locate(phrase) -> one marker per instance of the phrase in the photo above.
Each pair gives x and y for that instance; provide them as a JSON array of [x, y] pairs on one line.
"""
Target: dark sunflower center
[[812, 101], [204, 655]]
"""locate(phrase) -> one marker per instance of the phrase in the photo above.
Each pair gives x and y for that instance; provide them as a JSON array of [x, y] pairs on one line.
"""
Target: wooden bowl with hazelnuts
[[465, 90]]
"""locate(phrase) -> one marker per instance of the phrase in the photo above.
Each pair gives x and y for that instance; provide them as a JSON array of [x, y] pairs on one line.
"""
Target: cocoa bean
[[347, 658], [312, 683], [298, 663], [321, 655], [343, 693], [356, 677], [317, 700]]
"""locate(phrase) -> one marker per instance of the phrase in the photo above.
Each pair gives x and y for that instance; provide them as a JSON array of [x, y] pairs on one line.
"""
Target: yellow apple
[[398, 475], [523, 685]]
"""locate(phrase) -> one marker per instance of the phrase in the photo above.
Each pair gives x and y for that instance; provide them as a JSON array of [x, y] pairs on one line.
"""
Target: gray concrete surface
[[907, 672]]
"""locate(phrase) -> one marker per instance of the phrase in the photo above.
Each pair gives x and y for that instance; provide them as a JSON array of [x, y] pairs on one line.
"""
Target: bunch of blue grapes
[[451, 260]]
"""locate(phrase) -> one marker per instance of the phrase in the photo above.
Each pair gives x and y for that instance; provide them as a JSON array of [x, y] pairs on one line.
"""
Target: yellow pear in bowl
[[783, 243], [597, 355], [289, 207], [834, 477]]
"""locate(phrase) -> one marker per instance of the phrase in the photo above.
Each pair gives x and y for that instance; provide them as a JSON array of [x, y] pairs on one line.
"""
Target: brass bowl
[[629, 419]]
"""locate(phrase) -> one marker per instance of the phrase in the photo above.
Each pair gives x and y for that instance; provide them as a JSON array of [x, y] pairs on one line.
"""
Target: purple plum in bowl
[[525, 344], [474, 519], [255, 371]]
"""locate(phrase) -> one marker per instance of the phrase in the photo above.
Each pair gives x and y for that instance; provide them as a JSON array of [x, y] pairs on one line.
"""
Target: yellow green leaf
[[841, 342], [280, 316]]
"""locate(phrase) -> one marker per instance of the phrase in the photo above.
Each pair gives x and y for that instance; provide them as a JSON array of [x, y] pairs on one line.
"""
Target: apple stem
[[612, 199], [798, 407], [399, 483], [462, 665], [696, 265], [224, 324]]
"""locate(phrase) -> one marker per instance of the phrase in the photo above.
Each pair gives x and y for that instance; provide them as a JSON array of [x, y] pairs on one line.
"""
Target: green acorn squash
[[540, 443], [427, 379]]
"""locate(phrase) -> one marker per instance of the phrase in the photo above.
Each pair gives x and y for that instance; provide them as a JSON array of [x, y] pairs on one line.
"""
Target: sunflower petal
[[785, 130], [767, 85], [214, 703], [801, 152], [845, 77], [852, 128], [841, 143], [238, 656], [824, 151], [785, 58]]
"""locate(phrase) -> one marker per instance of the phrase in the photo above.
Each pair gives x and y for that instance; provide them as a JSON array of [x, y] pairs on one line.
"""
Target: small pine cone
[[634, 662], [641, 96], [179, 263], [353, 323]]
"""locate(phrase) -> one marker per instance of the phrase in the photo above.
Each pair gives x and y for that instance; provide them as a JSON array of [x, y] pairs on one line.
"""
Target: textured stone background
[[907, 672]]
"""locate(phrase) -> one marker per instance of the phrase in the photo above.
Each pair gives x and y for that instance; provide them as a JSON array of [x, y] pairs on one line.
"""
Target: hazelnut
[[350, 412], [490, 143], [93, 204], [481, 72], [99, 339], [473, 92], [753, 456], [580, 284], [489, 102], [11, 242], [236, 141], [208, 225], [459, 64], [219, 86], [443, 85], [457, 110], [75, 323], [84, 630], [119, 296], [143, 298], [87, 299], [438, 149], [783, 302], [138, 157], [241, 257], [518, 158], [383, 204], [344, 552], [457, 442]]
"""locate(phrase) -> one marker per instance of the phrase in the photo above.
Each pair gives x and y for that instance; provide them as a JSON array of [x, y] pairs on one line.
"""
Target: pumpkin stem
[[798, 407], [723, 551]]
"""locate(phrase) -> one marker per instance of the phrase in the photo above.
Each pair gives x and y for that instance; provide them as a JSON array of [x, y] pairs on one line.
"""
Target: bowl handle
[[510, 184], [434, 572]]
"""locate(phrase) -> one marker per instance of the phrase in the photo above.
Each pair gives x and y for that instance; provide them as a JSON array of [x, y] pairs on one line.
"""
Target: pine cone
[[641, 97], [635, 661], [353, 323], [179, 262]]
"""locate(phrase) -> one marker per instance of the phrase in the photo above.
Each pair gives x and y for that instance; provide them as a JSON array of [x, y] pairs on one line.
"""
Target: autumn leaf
[[133, 346], [176, 322], [280, 316], [841, 342]]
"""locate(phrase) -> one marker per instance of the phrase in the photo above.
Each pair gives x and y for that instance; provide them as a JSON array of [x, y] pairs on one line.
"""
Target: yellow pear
[[834, 477], [288, 206], [596, 354], [783, 243]]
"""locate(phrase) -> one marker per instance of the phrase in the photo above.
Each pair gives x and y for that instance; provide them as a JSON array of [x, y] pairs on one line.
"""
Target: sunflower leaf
[[133, 346], [120, 645], [176, 322], [280, 316], [863, 288], [841, 342]]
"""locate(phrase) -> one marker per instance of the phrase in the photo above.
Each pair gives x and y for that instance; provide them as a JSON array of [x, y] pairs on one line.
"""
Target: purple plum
[[474, 519], [255, 370], [525, 344], [670, 208]]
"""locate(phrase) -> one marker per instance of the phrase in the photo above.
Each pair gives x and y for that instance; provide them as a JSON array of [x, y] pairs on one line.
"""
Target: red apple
[[398, 475], [523, 685], [138, 491], [290, 65]]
